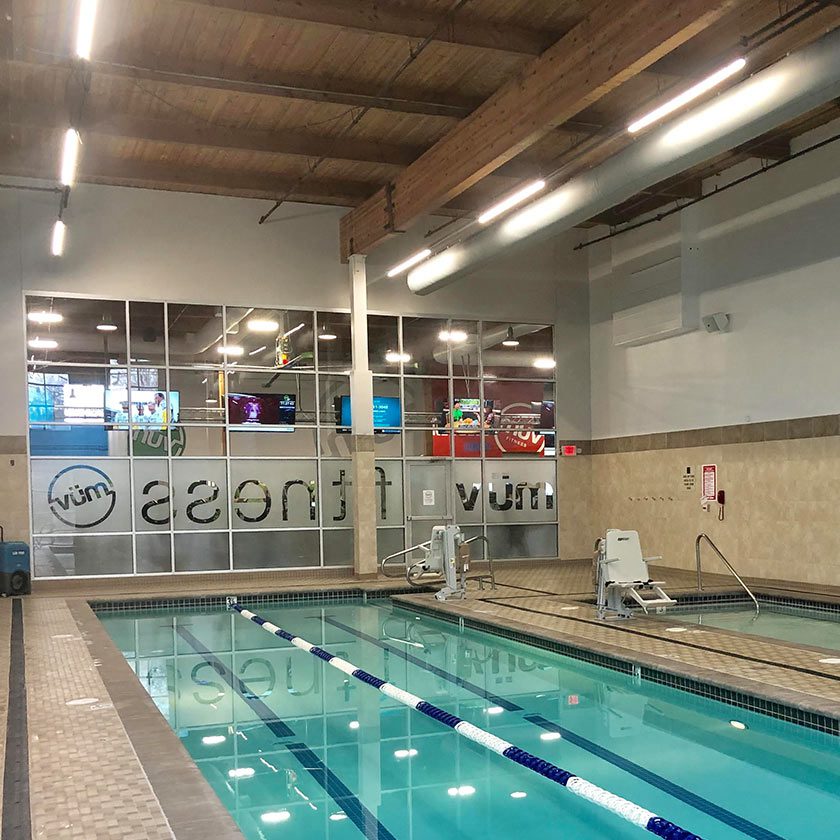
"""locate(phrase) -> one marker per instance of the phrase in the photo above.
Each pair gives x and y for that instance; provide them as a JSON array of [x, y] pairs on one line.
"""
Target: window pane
[[75, 330], [77, 395], [338, 548], [201, 552], [299, 443], [429, 442], [512, 542], [281, 398], [334, 398], [521, 491], [424, 341], [147, 333], [520, 414], [275, 549], [469, 492], [197, 441], [195, 335], [79, 441], [516, 350], [334, 345], [153, 553], [200, 495], [464, 341], [270, 338], [200, 395], [273, 494], [426, 401], [82, 555], [383, 344], [152, 508], [69, 497]]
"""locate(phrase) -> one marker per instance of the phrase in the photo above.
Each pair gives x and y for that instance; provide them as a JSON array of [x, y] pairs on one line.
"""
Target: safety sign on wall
[[428, 498], [709, 482]]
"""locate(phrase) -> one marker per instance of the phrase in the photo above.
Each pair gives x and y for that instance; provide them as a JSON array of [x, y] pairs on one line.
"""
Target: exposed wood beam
[[766, 148], [260, 83], [104, 122], [102, 170], [614, 42], [395, 19]]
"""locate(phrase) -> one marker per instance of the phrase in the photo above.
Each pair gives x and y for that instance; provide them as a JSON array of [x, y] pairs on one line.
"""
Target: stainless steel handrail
[[708, 539], [400, 554]]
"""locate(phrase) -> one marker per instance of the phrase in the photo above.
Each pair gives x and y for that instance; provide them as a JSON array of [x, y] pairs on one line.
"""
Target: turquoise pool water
[[800, 625], [295, 749]]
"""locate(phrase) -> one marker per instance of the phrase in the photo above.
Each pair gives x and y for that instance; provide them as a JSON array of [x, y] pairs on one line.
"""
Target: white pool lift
[[621, 573]]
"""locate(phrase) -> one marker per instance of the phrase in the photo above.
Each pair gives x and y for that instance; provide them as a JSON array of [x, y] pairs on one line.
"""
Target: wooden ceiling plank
[[393, 19], [262, 83], [614, 42]]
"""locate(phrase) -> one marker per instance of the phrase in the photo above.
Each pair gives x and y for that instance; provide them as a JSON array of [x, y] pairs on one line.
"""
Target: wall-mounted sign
[[709, 482], [428, 498]]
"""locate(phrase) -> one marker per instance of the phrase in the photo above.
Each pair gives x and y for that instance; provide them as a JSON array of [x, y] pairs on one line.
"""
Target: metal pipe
[[784, 91], [708, 539]]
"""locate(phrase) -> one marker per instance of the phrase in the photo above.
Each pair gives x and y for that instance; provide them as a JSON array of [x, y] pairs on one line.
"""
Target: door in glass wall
[[429, 498]]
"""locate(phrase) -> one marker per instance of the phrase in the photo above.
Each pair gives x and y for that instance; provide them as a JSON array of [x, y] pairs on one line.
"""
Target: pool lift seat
[[622, 573]]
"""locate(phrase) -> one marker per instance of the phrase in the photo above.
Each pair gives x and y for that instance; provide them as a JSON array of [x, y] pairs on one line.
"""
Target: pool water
[[295, 749], [801, 625]]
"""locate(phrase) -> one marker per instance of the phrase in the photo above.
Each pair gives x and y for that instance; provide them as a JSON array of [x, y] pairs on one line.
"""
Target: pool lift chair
[[446, 559], [621, 573]]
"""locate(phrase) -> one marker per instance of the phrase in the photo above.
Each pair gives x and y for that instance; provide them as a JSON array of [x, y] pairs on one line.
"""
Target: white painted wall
[[767, 252], [144, 244]]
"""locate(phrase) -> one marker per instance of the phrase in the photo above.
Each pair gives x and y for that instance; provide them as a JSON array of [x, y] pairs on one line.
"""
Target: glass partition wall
[[170, 437]]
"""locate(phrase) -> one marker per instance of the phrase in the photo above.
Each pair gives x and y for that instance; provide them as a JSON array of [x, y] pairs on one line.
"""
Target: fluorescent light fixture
[[409, 753], [292, 330], [59, 233], [736, 724], [275, 817], [258, 350], [455, 336], [326, 335], [213, 740], [494, 710], [70, 157], [687, 95], [42, 343], [544, 363], [550, 736], [511, 201], [518, 794], [354, 724], [241, 772], [230, 350], [412, 260], [510, 339], [394, 358], [45, 317], [338, 816], [84, 28], [263, 325]]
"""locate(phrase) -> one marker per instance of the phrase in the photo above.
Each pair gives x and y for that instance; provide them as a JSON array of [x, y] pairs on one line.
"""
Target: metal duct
[[786, 90]]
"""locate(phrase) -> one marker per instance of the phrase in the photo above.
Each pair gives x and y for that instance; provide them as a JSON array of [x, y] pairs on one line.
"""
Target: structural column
[[361, 402]]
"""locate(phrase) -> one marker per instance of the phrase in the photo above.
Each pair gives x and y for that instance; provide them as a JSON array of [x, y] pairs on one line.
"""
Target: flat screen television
[[256, 410], [147, 405], [386, 414]]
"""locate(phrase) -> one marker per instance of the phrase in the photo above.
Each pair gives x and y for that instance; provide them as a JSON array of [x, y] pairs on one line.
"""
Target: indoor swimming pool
[[295, 748], [802, 625]]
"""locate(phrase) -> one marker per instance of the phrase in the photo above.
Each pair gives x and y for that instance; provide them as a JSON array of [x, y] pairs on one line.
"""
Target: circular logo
[[81, 496]]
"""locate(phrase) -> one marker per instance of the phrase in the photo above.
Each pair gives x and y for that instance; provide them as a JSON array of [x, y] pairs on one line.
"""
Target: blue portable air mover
[[15, 578]]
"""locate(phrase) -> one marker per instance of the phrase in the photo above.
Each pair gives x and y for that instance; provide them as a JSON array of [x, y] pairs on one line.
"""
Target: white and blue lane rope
[[623, 808]]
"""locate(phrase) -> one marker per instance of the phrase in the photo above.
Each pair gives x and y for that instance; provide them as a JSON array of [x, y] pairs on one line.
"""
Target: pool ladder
[[708, 539]]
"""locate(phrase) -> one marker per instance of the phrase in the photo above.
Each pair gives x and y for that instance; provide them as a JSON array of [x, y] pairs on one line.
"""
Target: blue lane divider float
[[623, 808]]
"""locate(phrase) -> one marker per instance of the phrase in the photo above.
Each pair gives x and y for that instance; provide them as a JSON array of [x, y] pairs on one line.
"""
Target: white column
[[361, 402]]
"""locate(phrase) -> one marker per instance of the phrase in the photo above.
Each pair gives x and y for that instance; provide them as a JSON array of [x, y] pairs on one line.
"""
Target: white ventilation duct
[[786, 90]]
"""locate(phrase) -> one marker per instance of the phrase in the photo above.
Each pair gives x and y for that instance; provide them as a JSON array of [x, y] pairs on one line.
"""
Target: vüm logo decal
[[81, 496]]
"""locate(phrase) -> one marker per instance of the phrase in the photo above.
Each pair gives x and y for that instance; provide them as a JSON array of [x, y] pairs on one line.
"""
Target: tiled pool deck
[[112, 768]]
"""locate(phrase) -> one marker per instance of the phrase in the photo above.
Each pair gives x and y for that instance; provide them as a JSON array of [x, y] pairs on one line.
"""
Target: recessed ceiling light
[[263, 325], [42, 343], [544, 363], [45, 317], [230, 350]]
